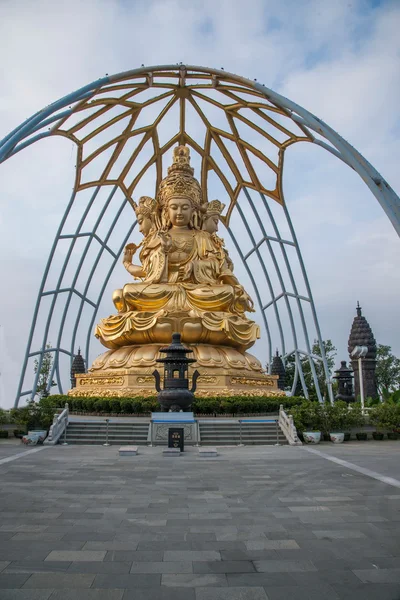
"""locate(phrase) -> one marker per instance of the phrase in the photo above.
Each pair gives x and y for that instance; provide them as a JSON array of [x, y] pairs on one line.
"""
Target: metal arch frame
[[57, 113]]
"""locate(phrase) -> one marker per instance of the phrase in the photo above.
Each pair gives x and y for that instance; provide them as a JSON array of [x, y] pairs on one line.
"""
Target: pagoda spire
[[361, 335]]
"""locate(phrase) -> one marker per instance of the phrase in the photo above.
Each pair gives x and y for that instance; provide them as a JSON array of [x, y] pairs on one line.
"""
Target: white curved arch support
[[242, 103]]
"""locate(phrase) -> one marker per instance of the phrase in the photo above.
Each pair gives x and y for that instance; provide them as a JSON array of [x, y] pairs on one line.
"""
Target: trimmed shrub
[[137, 406], [115, 405], [126, 406], [76, 404], [232, 405], [88, 404]]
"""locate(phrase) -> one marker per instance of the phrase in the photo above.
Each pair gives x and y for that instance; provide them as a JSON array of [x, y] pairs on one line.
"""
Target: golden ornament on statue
[[184, 284]]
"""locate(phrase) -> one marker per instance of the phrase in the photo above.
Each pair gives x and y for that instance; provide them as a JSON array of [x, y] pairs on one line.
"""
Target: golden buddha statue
[[184, 283], [187, 284]]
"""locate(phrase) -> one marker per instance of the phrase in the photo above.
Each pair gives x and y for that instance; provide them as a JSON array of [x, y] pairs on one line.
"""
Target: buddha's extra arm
[[243, 301], [166, 245], [135, 270]]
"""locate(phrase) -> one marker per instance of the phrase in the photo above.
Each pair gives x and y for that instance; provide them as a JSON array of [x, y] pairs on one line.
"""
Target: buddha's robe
[[198, 304]]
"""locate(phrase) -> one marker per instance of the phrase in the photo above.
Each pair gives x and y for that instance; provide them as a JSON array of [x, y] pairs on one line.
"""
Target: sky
[[340, 60]]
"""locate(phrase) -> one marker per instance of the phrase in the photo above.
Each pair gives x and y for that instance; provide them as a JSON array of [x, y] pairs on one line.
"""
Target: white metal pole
[[360, 374], [107, 444]]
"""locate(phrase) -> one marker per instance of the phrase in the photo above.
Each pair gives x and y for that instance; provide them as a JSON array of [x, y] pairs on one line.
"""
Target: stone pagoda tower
[[77, 367], [361, 335], [278, 368]]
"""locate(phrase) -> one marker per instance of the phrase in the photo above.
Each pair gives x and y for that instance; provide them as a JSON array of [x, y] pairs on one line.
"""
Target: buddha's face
[[180, 212], [145, 224], [211, 224]]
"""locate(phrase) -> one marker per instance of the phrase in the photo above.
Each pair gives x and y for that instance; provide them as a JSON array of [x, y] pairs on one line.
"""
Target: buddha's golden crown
[[146, 206], [180, 181], [215, 207]]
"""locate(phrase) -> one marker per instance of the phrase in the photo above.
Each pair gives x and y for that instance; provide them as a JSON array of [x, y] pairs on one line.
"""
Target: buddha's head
[[212, 216], [180, 212], [146, 214], [179, 194]]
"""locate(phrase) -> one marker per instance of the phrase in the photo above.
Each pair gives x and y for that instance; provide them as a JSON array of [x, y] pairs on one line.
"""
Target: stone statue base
[[127, 372]]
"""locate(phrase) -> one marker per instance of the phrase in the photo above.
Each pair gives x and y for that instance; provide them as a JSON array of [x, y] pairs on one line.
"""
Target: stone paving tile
[[134, 556], [18, 594], [12, 580], [161, 593], [193, 580], [59, 580], [127, 581], [324, 592], [6, 535], [381, 591], [4, 564], [378, 575], [36, 566], [231, 593], [259, 579], [76, 555], [283, 566], [224, 566], [112, 545], [84, 536], [161, 567], [87, 595], [164, 545], [218, 546], [193, 555], [339, 534], [100, 567], [272, 545]]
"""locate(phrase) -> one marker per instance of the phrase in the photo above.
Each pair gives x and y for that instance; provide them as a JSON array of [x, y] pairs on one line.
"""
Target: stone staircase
[[216, 432], [220, 433], [86, 432]]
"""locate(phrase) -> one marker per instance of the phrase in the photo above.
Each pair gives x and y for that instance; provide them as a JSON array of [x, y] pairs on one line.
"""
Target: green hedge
[[206, 406]]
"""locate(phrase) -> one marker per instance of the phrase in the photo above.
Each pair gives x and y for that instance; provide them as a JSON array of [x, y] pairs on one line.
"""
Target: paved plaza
[[254, 523]]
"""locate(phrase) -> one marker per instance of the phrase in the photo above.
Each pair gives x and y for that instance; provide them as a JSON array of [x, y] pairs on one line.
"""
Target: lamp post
[[360, 352]]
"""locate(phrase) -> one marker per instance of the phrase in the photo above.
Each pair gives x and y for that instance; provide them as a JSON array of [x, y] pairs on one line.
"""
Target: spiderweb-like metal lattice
[[124, 128]]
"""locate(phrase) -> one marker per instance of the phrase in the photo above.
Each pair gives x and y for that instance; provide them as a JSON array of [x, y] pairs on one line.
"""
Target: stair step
[[100, 442], [104, 427], [110, 437]]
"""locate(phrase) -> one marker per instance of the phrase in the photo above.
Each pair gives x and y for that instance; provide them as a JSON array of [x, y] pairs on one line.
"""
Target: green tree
[[44, 373], [330, 353], [387, 369]]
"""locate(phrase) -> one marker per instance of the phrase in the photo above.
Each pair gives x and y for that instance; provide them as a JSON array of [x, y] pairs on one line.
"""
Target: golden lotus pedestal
[[224, 371]]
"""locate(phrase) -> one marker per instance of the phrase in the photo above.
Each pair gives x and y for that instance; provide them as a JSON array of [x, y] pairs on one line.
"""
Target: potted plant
[[376, 417], [314, 419], [357, 420], [337, 418], [297, 413], [392, 419]]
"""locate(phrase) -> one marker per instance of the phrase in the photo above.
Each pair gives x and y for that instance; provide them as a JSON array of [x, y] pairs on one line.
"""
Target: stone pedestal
[[161, 423], [224, 371]]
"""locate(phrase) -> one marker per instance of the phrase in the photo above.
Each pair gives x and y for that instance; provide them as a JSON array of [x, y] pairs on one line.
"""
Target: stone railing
[[58, 427], [287, 426]]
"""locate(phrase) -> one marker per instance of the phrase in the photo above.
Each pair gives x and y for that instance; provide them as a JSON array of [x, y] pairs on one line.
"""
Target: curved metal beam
[[59, 112]]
